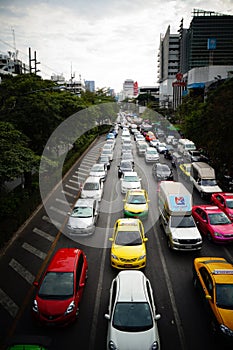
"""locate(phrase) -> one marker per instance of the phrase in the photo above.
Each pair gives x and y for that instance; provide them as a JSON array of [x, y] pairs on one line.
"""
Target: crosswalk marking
[[75, 182], [34, 250], [8, 304], [54, 222], [71, 187], [69, 194], [43, 234], [59, 211], [22, 271], [62, 201], [75, 176]]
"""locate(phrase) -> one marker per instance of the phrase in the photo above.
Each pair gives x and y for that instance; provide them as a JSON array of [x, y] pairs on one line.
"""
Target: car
[[28, 342], [224, 201], [107, 152], [184, 170], [153, 143], [128, 248], [167, 154], [213, 278], [125, 165], [150, 136], [136, 204], [99, 170], [111, 142], [132, 317], [127, 156], [139, 137], [83, 217], [176, 159], [92, 188], [162, 172], [213, 223], [60, 290], [130, 180], [108, 146], [126, 148], [161, 147], [194, 156], [104, 160], [110, 135], [151, 155], [141, 148]]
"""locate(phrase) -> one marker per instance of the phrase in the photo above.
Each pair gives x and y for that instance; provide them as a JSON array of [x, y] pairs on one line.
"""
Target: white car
[[107, 152], [92, 188], [132, 317], [130, 181], [161, 147], [154, 143], [83, 217], [151, 155], [99, 170]]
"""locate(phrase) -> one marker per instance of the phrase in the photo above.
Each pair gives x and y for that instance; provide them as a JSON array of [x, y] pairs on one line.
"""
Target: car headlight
[[142, 257], [175, 240], [218, 234], [70, 308], [230, 215], [112, 346], [114, 256], [154, 346], [35, 306], [225, 330]]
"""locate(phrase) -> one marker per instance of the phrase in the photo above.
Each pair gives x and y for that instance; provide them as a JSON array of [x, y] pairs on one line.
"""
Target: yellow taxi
[[213, 277], [128, 249], [136, 204]]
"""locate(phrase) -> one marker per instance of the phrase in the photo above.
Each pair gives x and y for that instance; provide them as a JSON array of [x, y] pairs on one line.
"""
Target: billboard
[[211, 43]]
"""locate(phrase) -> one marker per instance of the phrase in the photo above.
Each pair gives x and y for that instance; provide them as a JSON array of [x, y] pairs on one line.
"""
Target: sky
[[100, 40]]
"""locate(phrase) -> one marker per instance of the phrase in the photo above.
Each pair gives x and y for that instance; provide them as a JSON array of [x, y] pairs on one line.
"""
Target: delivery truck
[[175, 210]]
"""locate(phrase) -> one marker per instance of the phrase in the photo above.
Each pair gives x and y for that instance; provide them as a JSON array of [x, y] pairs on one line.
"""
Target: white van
[[175, 208], [203, 177], [92, 188], [185, 145]]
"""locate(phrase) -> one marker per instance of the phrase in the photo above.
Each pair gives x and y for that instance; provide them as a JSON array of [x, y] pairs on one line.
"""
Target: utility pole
[[33, 60]]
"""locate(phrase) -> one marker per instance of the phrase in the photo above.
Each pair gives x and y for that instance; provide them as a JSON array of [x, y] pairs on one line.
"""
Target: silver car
[[99, 170], [83, 217]]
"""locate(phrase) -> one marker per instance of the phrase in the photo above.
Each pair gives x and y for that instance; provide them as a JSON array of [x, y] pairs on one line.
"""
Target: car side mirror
[[208, 297], [157, 317], [81, 285], [107, 316], [35, 283], [111, 239], [145, 239]]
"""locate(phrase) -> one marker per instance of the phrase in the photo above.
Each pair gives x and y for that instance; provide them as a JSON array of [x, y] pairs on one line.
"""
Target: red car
[[60, 290], [214, 223], [225, 202]]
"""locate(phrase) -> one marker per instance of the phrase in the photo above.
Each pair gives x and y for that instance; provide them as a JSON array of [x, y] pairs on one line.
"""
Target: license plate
[[128, 265]]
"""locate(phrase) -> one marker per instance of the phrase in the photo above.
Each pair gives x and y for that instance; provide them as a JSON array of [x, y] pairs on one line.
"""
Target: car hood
[[133, 340], [128, 252], [136, 208], [227, 317], [164, 174], [224, 229], [97, 173], [53, 307], [131, 184], [185, 232], [210, 189], [90, 194], [80, 222]]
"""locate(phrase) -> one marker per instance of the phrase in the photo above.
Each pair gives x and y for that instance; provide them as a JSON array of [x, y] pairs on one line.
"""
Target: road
[[184, 324]]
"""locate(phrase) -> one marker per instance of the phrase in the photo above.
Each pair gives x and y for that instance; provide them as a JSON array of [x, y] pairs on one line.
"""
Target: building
[[90, 85], [9, 63], [128, 89]]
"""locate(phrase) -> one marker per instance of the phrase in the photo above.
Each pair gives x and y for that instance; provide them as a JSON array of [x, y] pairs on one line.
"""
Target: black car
[[125, 165], [162, 172]]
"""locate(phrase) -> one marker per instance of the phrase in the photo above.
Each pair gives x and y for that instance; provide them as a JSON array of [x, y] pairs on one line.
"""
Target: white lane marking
[[75, 176], [86, 166], [22, 271], [59, 211], [72, 188], [43, 234], [69, 194], [100, 284], [34, 250], [54, 222], [62, 201], [75, 182], [8, 304]]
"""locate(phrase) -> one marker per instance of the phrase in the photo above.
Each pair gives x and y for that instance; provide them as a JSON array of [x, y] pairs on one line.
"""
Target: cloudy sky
[[103, 40]]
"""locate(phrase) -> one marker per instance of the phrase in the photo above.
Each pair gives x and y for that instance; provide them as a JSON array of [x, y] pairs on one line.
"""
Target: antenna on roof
[[14, 44]]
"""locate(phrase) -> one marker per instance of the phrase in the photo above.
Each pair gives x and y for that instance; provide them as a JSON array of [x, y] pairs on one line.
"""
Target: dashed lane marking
[[43, 234], [22, 271], [71, 187], [8, 304], [59, 211], [75, 182], [59, 200], [34, 250], [54, 222], [69, 194]]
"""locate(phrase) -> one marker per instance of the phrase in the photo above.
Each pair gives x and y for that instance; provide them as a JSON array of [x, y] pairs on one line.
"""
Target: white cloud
[[106, 41]]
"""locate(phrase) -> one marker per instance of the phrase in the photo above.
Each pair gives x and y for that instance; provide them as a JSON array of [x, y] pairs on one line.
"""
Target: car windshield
[[126, 165], [229, 203], [218, 219], [163, 168], [97, 168], [91, 186], [182, 221], [57, 285], [208, 182], [128, 238], [224, 296], [151, 151], [131, 179], [127, 155], [136, 199], [132, 317], [82, 212]]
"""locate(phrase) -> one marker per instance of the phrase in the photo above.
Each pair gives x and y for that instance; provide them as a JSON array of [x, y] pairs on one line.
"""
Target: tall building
[[128, 88], [90, 85]]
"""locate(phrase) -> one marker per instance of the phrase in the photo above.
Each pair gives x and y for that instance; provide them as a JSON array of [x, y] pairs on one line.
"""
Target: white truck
[[175, 209], [185, 145], [203, 177]]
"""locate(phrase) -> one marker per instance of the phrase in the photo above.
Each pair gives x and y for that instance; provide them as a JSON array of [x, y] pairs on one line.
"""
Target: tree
[[16, 158]]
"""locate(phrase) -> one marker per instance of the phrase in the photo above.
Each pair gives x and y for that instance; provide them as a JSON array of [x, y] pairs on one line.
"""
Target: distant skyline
[[104, 41]]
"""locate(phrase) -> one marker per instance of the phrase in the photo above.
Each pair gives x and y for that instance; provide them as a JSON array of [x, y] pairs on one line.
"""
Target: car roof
[[220, 269], [137, 191], [84, 202], [64, 260], [209, 208], [131, 286], [93, 179], [130, 173], [226, 195]]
